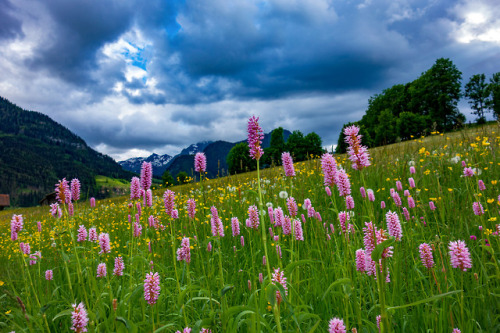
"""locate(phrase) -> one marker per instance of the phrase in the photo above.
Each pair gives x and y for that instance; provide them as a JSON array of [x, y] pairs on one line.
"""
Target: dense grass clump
[[166, 269]]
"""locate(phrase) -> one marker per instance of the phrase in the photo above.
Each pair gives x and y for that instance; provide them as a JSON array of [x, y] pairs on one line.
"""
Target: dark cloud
[[10, 26]]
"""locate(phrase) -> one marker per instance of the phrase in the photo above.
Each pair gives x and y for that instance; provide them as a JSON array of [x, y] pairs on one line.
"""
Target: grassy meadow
[[227, 285]]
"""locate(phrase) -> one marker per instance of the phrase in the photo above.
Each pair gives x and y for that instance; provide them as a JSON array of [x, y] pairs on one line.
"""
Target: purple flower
[[79, 318], [292, 206], [152, 288], [358, 154], [253, 217], [82, 234], [328, 191], [137, 229], [16, 225], [459, 255], [426, 255], [235, 226], [393, 225], [146, 175], [39, 226], [349, 202], [92, 202], [184, 252], [200, 162], [468, 172], [371, 195], [477, 208], [382, 204], [363, 192], [344, 217], [481, 185], [360, 260], [255, 137], [329, 167], [191, 208], [406, 214], [49, 275], [278, 277], [148, 198], [399, 186], [432, 206], [297, 228], [92, 234], [169, 201], [55, 210], [75, 189], [287, 161], [101, 270], [135, 188], [216, 222], [411, 181], [412, 170], [63, 193], [287, 226], [411, 202], [336, 325], [343, 183], [104, 243], [119, 266]]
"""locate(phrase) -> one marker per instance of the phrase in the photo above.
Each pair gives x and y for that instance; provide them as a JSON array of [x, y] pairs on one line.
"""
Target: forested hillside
[[35, 152]]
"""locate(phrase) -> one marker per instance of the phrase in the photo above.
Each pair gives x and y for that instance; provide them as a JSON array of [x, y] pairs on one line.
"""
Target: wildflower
[[146, 175], [255, 137], [16, 225], [104, 243], [283, 194], [270, 212], [185, 330], [148, 198], [135, 188], [287, 226], [75, 189], [169, 201], [92, 234], [292, 206], [216, 223], [39, 226], [411, 182], [382, 204], [184, 252], [397, 199], [432, 206], [209, 246], [371, 195], [406, 214], [358, 154], [456, 330], [235, 226], [63, 193], [399, 186], [200, 162], [328, 191], [261, 278], [363, 192], [79, 318], [49, 275], [287, 161], [468, 172], [481, 185], [344, 217], [477, 208], [25, 248], [343, 183], [82, 234], [92, 202], [459, 255], [360, 260], [119, 266], [426, 255], [55, 210], [152, 287], [101, 270], [278, 251], [253, 217], [307, 204], [137, 229], [329, 167], [349, 202], [379, 319], [278, 277], [297, 228], [71, 210], [412, 170], [393, 225], [369, 234], [191, 208], [35, 257], [411, 202], [242, 241], [336, 325]]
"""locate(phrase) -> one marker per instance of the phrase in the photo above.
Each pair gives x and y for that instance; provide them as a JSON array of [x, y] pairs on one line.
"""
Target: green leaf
[[62, 314], [425, 300], [340, 282], [225, 290], [377, 253], [291, 266], [130, 326], [315, 326], [164, 327]]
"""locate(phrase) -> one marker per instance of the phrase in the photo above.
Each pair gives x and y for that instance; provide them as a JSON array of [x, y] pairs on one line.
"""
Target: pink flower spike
[[358, 154], [255, 137], [468, 172], [146, 175], [119, 266], [49, 275], [75, 189], [477, 208], [287, 161], [426, 255], [336, 325], [135, 187], [329, 166], [200, 162], [459, 255], [101, 270], [79, 318], [152, 288], [481, 185]]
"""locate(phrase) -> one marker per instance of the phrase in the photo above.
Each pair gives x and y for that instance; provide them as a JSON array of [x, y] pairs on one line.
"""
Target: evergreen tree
[[314, 144], [494, 90], [239, 160]]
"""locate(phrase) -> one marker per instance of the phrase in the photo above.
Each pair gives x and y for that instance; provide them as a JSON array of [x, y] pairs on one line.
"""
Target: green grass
[[221, 290]]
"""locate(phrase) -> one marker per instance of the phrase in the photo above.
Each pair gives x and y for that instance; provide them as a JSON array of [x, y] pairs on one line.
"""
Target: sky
[[136, 77]]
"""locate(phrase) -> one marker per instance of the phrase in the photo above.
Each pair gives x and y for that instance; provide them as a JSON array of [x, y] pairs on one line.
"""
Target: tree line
[[426, 104]]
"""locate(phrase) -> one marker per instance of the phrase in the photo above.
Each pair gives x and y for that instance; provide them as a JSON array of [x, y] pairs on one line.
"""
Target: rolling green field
[[231, 282]]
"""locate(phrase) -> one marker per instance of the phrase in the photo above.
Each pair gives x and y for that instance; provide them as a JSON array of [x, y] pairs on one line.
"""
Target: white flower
[[455, 159], [283, 194], [411, 163], [269, 204]]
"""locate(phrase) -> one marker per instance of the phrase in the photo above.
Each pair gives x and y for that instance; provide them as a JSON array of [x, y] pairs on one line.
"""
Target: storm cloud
[[134, 77]]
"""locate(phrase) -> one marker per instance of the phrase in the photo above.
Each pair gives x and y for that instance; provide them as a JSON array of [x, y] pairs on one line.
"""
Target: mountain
[[35, 152], [159, 163], [195, 148]]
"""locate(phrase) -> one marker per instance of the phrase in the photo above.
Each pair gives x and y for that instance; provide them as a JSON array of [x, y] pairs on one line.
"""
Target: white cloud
[[477, 20]]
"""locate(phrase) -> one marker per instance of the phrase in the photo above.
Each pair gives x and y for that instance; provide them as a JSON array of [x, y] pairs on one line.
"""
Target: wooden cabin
[[4, 201]]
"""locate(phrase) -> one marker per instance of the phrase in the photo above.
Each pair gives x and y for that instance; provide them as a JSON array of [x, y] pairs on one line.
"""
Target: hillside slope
[[36, 151]]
